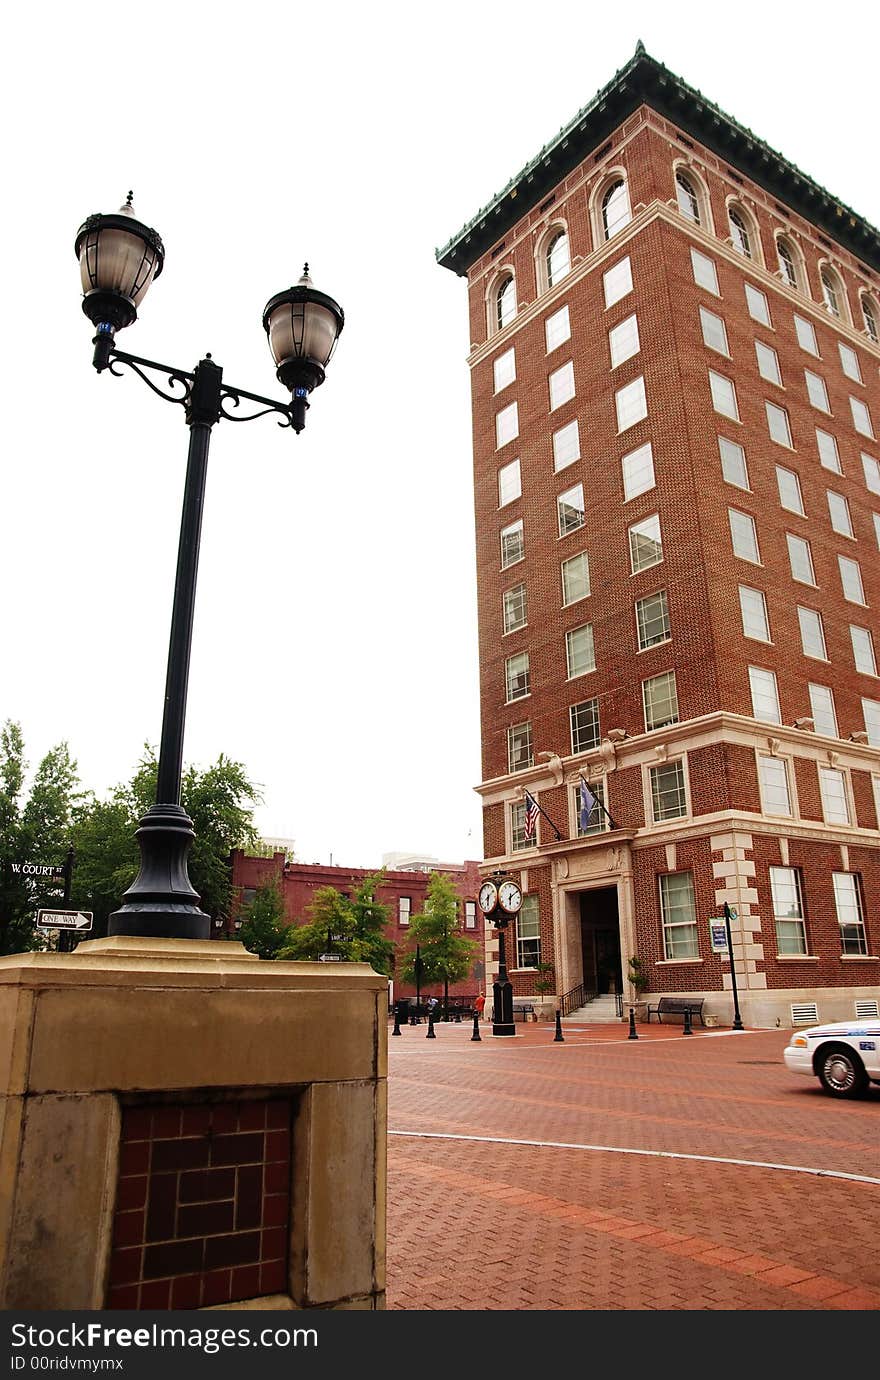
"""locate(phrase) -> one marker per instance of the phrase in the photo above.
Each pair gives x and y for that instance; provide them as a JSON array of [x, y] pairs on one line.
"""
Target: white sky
[[335, 643]]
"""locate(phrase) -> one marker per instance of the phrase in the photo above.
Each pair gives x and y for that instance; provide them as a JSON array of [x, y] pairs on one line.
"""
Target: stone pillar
[[184, 1126]]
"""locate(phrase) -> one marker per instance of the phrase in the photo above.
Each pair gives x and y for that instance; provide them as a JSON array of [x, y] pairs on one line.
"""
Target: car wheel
[[841, 1072]]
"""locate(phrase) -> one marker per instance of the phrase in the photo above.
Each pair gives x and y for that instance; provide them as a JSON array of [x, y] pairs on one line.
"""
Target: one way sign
[[65, 919]]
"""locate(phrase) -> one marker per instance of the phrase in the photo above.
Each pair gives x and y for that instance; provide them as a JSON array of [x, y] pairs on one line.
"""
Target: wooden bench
[[677, 1006]]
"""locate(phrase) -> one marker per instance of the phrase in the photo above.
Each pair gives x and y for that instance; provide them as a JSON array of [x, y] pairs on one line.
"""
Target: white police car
[[844, 1056]]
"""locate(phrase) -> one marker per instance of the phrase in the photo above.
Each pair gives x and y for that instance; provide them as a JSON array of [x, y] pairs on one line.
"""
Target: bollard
[[476, 1035], [558, 1037], [456, 1016], [633, 1033], [430, 1035], [396, 1030], [687, 1022]]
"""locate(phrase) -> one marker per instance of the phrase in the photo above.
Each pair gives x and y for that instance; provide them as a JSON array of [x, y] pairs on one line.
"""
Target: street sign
[[47, 872], [718, 935], [329, 958], [65, 920]]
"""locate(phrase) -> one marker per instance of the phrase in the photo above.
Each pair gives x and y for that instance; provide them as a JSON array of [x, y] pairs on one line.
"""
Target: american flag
[[532, 813]]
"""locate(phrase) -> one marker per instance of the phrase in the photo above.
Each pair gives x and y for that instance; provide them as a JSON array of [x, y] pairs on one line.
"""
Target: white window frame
[[829, 454], [864, 658], [806, 335], [849, 362], [595, 740], [637, 469], [617, 282], [404, 910], [560, 384], [524, 731], [714, 332], [764, 692], [557, 329], [517, 682], [575, 564], [851, 580], [723, 390], [583, 633], [752, 601], [630, 404], [871, 717], [566, 446], [871, 471], [623, 340], [794, 943], [768, 363], [822, 709], [850, 912], [788, 485], [507, 606], [504, 369], [642, 624], [680, 790], [638, 530], [528, 934], [731, 462], [705, 272], [777, 422], [688, 946], [833, 792], [509, 483], [647, 694], [508, 532], [771, 790], [838, 512], [757, 304], [817, 391], [744, 536], [861, 418], [576, 490], [800, 559], [506, 425], [817, 626]]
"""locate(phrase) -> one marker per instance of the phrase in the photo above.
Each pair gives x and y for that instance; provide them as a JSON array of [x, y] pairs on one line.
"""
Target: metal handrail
[[578, 996]]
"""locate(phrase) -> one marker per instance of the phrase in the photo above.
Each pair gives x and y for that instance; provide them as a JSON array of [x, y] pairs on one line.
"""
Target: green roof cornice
[[645, 81]]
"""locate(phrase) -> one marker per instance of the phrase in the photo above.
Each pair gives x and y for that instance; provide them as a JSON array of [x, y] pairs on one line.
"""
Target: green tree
[[445, 953], [33, 828], [350, 926], [264, 928]]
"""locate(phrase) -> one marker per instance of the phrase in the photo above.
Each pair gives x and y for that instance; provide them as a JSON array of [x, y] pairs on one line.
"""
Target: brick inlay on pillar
[[202, 1204]]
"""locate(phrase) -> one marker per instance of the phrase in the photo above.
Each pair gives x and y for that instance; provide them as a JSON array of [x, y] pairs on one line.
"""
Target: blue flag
[[588, 804]]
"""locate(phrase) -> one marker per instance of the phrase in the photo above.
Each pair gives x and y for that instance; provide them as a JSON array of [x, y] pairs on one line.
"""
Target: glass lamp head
[[118, 259], [303, 326]]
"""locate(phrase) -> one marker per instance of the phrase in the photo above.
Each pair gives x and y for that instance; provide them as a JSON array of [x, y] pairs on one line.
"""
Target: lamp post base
[[502, 1023], [161, 903]]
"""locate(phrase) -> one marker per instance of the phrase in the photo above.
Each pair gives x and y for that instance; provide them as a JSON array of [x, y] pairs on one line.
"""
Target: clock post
[[500, 901]]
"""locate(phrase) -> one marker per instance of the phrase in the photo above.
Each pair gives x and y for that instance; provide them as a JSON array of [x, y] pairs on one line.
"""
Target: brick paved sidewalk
[[491, 1224]]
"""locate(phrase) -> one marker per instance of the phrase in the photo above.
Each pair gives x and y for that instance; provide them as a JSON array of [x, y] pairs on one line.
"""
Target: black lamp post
[[119, 257], [730, 914]]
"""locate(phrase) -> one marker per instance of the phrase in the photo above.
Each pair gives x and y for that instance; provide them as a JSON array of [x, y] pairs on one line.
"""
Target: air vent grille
[[867, 1010], [804, 1013]]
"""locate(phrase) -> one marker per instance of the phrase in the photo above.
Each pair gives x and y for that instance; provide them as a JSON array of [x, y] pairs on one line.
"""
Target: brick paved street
[[563, 1224]]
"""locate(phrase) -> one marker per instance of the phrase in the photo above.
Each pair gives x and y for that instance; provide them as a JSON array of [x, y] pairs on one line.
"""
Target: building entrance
[[600, 941]]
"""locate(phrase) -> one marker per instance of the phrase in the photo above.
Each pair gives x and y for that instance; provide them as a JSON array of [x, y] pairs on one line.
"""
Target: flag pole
[[542, 811], [599, 802]]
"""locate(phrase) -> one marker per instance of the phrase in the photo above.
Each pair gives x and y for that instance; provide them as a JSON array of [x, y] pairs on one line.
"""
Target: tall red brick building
[[675, 341]]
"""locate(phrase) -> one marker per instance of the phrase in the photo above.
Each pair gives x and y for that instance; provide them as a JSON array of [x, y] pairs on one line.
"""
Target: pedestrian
[[432, 1007], [479, 1004]]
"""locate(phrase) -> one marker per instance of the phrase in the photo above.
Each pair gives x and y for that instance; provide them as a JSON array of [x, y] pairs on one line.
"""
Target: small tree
[[446, 955], [637, 977], [264, 929], [350, 926], [544, 981]]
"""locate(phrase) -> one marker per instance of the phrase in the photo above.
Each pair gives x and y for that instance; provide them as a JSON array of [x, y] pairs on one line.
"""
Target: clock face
[[510, 897], [488, 897]]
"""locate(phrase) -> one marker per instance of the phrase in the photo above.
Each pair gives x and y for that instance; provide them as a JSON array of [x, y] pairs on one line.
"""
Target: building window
[[557, 329], [822, 710], [518, 839], [687, 198], [504, 370], [516, 677], [615, 209], [558, 258], [561, 383], [528, 934], [744, 536], [723, 395], [505, 303], [759, 309], [869, 314], [519, 747], [851, 580], [875, 781], [871, 470], [575, 578], [850, 912], [509, 483], [733, 463], [631, 404], [739, 233], [789, 487], [788, 910], [832, 788], [660, 700], [831, 291], [566, 446], [584, 724], [849, 362], [765, 696], [617, 282], [580, 656], [678, 909], [863, 650], [871, 715], [768, 363], [816, 391], [597, 820], [570, 507], [812, 634], [404, 909], [514, 608], [668, 798], [645, 544], [876, 517], [800, 559], [512, 544], [753, 607], [506, 425], [829, 458], [638, 472], [714, 331], [861, 418], [470, 915], [838, 509], [787, 263], [652, 620], [773, 778], [777, 424], [705, 273], [623, 341], [806, 336]]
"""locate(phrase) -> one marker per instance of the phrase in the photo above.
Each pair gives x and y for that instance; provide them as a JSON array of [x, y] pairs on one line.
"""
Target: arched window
[[505, 303], [558, 258], [739, 232], [687, 198], [615, 208], [869, 313], [787, 262], [831, 292]]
